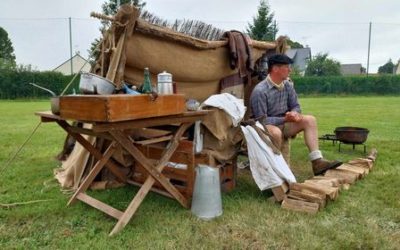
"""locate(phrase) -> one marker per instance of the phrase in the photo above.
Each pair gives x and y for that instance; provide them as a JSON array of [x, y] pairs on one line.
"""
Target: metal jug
[[206, 202], [164, 83]]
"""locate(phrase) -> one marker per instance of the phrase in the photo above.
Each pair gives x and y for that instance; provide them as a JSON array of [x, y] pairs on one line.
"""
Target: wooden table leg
[[93, 173], [89, 147], [155, 171], [137, 200]]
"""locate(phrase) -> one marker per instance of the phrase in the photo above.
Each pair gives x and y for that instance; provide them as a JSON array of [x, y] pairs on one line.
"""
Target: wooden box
[[182, 178], [112, 108]]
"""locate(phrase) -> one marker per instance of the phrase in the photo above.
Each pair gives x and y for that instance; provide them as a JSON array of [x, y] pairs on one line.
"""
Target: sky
[[39, 30]]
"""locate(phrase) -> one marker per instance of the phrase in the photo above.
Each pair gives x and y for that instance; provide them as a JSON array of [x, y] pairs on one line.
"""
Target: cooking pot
[[55, 105], [353, 135]]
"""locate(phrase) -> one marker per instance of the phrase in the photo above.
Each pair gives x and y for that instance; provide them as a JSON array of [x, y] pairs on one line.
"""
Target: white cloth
[[230, 104], [268, 169]]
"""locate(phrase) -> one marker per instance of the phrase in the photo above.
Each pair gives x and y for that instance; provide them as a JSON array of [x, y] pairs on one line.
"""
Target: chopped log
[[373, 154], [346, 186], [346, 177], [300, 206], [280, 192], [335, 181], [315, 198], [321, 182], [355, 169], [362, 162], [358, 175], [330, 192]]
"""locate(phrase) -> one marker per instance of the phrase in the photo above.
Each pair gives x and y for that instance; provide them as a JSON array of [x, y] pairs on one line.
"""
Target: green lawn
[[367, 216]]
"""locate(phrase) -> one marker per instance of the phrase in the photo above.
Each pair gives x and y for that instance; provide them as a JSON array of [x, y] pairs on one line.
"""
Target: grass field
[[367, 216]]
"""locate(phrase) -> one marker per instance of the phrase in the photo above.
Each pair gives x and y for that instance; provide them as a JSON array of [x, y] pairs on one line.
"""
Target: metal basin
[[352, 135], [94, 84]]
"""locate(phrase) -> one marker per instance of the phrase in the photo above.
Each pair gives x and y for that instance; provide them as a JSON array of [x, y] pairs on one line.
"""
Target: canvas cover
[[197, 67]]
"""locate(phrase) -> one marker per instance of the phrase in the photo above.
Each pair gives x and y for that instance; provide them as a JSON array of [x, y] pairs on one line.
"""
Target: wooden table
[[117, 133]]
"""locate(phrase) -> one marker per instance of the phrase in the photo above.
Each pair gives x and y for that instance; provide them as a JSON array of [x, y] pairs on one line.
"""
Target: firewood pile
[[313, 194]]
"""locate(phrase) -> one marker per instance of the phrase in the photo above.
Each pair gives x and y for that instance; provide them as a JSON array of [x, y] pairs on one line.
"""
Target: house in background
[[77, 62], [352, 69], [396, 69], [300, 58]]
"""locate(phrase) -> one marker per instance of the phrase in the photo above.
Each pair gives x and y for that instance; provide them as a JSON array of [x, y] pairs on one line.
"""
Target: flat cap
[[279, 59]]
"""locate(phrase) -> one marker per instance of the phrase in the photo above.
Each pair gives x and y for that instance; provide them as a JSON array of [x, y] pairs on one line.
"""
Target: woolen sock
[[314, 155]]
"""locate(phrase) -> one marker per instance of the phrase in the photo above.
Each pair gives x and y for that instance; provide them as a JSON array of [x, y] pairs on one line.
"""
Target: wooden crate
[[112, 108], [182, 179], [227, 172]]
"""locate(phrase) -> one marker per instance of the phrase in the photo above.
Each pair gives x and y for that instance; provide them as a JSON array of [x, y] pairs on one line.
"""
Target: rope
[[10, 205], [19, 149]]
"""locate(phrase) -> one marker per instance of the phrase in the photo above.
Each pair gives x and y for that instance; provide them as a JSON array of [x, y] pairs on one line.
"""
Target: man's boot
[[321, 165]]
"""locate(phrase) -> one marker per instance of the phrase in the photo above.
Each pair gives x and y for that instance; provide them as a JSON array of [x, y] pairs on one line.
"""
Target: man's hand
[[293, 116]]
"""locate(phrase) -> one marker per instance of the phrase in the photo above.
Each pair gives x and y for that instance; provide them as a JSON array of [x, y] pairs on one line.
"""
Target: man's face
[[282, 71]]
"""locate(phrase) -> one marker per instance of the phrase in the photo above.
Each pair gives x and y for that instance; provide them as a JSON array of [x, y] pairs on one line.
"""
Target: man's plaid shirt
[[267, 101]]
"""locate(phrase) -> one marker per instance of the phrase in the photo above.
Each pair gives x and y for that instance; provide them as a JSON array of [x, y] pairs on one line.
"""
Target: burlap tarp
[[197, 67]]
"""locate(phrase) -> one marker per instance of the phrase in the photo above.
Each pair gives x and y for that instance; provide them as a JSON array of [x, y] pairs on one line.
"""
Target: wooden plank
[[115, 58], [186, 117], [345, 177], [362, 162], [120, 107], [330, 192], [346, 186], [335, 181], [93, 151], [154, 140], [355, 169], [99, 205], [155, 190], [155, 172], [373, 154], [137, 200], [315, 198], [133, 206], [147, 133], [93, 173], [184, 154], [181, 186], [47, 116], [280, 192], [86, 131], [300, 206], [320, 182]]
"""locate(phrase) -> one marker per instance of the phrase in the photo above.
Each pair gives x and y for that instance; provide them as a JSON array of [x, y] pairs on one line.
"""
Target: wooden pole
[[70, 46], [369, 46]]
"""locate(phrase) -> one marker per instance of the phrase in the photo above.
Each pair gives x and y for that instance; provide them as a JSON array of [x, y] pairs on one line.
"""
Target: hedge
[[15, 84], [348, 85]]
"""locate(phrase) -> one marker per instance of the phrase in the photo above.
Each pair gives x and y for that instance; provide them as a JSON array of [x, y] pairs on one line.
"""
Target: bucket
[[206, 202]]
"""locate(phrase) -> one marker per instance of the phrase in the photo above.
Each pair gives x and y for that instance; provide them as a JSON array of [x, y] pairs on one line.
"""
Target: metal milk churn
[[206, 202], [164, 83]]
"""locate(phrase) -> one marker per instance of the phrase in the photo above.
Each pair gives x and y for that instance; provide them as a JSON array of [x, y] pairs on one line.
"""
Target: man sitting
[[275, 100]]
